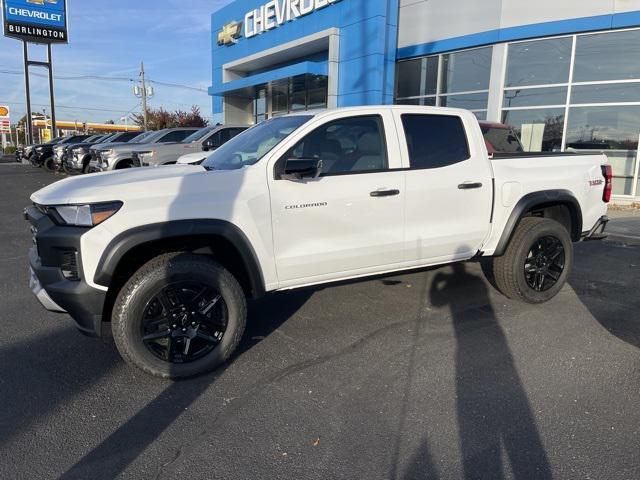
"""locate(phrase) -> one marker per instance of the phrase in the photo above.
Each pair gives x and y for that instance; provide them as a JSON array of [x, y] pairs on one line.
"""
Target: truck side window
[[176, 136], [348, 145], [435, 141]]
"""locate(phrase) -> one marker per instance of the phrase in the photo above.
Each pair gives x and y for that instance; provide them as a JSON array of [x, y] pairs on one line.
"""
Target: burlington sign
[[271, 15], [39, 21]]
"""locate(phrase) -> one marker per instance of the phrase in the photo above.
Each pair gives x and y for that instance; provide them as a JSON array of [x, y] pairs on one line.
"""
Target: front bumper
[[54, 245]]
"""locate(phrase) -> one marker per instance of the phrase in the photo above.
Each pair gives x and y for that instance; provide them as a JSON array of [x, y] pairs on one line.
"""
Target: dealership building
[[565, 74]]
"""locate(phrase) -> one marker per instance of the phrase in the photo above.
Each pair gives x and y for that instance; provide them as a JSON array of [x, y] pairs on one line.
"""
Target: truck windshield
[[250, 146], [194, 137]]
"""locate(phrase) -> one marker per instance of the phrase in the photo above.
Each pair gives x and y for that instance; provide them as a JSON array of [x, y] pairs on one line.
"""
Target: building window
[[607, 56], [539, 129], [459, 80], [277, 98], [590, 105], [540, 62]]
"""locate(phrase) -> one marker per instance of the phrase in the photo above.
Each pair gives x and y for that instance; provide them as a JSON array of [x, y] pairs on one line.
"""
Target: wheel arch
[[118, 162], [559, 205], [219, 238]]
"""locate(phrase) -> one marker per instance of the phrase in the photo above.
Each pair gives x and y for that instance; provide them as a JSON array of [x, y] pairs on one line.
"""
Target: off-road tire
[[135, 294], [508, 271]]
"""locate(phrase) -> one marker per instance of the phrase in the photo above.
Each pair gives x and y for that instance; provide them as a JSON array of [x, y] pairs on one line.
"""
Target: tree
[[191, 119], [159, 118]]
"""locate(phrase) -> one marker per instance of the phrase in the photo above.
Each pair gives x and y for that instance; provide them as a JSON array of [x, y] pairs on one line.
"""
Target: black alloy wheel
[[544, 264], [184, 322]]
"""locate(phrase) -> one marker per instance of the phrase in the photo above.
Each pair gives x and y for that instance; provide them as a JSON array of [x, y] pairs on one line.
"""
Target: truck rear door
[[449, 191]]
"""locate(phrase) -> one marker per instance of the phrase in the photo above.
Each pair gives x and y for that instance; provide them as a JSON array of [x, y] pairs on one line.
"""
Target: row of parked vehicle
[[98, 153], [188, 145]]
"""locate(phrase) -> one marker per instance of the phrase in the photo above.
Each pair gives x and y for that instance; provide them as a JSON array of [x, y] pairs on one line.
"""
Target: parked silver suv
[[116, 157]]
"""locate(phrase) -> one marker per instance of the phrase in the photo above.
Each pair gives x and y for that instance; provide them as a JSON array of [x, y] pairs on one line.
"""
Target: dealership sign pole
[[36, 21]]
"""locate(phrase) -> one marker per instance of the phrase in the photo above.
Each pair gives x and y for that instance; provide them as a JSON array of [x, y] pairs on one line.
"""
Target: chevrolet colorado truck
[[205, 139], [166, 258]]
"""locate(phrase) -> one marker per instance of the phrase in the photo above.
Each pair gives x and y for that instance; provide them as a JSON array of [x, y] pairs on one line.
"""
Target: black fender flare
[[540, 199], [125, 241]]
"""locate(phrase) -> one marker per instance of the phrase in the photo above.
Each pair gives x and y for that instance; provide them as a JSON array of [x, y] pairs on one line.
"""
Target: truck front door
[[449, 186], [350, 220]]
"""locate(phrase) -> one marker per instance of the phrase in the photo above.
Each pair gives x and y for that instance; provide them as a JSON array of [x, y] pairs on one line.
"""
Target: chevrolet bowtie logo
[[42, 2], [229, 33]]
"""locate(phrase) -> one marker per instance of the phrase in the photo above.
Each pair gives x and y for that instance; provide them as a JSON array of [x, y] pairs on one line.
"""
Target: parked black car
[[25, 153], [43, 154], [77, 157]]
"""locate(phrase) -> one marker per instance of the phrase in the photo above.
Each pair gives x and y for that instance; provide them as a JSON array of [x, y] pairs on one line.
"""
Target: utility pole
[[144, 95]]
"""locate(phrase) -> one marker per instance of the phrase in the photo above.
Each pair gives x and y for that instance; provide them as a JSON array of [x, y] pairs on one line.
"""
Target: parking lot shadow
[[493, 411], [122, 447], [38, 376]]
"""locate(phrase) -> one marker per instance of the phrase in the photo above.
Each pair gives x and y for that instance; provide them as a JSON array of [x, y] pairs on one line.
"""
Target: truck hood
[[115, 185]]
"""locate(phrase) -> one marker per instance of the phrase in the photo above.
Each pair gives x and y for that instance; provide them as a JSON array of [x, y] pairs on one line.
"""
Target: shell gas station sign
[[5, 119]]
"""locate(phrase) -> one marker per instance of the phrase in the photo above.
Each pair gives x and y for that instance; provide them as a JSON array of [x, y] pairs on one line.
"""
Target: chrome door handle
[[385, 193], [469, 185]]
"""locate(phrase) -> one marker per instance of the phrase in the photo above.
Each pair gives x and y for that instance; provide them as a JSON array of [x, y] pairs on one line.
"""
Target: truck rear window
[[435, 141]]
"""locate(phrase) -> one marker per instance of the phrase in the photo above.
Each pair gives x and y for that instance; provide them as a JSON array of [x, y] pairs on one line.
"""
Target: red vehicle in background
[[500, 138]]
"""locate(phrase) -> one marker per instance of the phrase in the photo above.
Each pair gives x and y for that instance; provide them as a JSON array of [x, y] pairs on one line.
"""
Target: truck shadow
[[611, 299], [493, 412], [122, 447]]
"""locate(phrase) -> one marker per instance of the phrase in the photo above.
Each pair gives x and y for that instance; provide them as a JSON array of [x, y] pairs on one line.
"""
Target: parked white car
[[170, 255], [193, 158]]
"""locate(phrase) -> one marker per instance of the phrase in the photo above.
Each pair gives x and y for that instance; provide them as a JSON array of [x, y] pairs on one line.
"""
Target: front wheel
[[179, 315], [49, 164], [537, 262]]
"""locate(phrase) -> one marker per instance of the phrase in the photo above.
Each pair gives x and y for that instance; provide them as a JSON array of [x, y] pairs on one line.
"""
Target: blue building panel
[[366, 62]]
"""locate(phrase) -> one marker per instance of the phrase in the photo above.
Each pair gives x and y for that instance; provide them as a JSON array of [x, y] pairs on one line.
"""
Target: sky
[[109, 39]]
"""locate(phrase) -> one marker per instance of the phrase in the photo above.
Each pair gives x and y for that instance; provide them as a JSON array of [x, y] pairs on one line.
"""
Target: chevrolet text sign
[[277, 12], [39, 21]]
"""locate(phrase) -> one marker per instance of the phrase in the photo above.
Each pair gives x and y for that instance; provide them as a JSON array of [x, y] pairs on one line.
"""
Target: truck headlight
[[84, 215], [104, 154]]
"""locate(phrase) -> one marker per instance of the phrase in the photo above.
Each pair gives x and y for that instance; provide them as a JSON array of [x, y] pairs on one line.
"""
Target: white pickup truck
[[170, 256]]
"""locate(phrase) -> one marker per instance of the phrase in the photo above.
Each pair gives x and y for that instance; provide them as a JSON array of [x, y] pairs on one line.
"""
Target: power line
[[97, 109], [104, 78]]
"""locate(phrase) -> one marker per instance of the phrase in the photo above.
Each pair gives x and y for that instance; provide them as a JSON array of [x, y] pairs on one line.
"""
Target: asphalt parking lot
[[427, 375]]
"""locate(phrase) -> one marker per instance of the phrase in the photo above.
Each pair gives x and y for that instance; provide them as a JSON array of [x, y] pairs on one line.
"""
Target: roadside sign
[[5, 120], [37, 21]]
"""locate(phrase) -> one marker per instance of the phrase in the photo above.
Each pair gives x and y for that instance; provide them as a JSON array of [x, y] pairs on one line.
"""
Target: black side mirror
[[206, 146], [299, 168]]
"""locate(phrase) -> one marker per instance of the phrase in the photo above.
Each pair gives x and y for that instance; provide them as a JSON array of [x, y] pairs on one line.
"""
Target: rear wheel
[[179, 315], [537, 262]]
